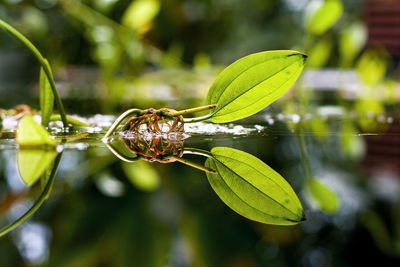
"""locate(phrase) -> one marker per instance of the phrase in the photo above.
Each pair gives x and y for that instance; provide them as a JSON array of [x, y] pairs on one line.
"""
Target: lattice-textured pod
[[155, 121]]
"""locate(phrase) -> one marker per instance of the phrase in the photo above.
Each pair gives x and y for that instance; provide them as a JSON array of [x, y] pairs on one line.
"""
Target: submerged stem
[[43, 196], [42, 61]]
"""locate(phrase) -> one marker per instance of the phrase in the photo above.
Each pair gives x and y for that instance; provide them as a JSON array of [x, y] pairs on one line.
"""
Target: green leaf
[[320, 53], [326, 199], [33, 163], [46, 97], [351, 143], [352, 40], [322, 19], [372, 67], [29, 133], [253, 82], [140, 13], [142, 175], [252, 189]]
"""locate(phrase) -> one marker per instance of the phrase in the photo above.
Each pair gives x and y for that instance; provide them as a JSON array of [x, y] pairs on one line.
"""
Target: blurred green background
[[110, 55]]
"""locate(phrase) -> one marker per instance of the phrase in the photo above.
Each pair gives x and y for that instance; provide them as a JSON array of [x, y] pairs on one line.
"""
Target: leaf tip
[[303, 217], [300, 54]]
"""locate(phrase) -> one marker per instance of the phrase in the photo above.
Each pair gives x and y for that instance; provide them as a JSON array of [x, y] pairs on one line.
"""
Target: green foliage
[[372, 66], [46, 97], [252, 189], [351, 144], [45, 65], [352, 39], [320, 53], [323, 18], [142, 175], [33, 163], [29, 133], [325, 198], [368, 109], [140, 13], [319, 128], [253, 82]]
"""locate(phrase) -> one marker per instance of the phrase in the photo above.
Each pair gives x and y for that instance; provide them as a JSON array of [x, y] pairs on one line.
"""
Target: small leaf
[[253, 82], [46, 97], [142, 175], [33, 163], [320, 53], [352, 144], [326, 199], [252, 189], [352, 40], [29, 133], [140, 13], [322, 19], [372, 67]]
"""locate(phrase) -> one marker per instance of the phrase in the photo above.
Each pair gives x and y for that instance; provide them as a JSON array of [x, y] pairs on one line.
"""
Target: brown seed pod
[[155, 121]]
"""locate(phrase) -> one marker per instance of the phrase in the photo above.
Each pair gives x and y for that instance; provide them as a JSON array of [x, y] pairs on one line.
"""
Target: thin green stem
[[194, 165], [120, 156], [70, 120], [197, 151], [198, 119], [192, 110], [122, 117], [42, 61], [43, 196]]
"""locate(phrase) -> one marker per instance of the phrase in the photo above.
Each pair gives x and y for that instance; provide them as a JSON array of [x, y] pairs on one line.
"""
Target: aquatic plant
[[48, 91], [243, 182], [242, 89]]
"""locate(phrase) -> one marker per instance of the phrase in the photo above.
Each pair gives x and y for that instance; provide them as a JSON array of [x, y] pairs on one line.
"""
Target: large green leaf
[[253, 82], [323, 18], [33, 163], [252, 189], [29, 133], [325, 198], [46, 97]]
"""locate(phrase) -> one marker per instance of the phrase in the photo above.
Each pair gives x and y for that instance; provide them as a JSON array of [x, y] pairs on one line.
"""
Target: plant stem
[[42, 61], [194, 165], [120, 156], [118, 121], [43, 196], [197, 151], [70, 120], [191, 110]]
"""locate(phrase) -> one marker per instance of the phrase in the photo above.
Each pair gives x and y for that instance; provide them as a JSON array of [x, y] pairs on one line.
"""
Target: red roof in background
[[383, 21]]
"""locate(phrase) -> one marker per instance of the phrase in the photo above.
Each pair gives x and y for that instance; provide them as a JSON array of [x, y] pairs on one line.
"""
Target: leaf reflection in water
[[48, 177], [243, 182]]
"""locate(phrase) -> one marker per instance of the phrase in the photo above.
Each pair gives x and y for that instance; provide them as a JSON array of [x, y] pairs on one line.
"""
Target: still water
[[99, 210]]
